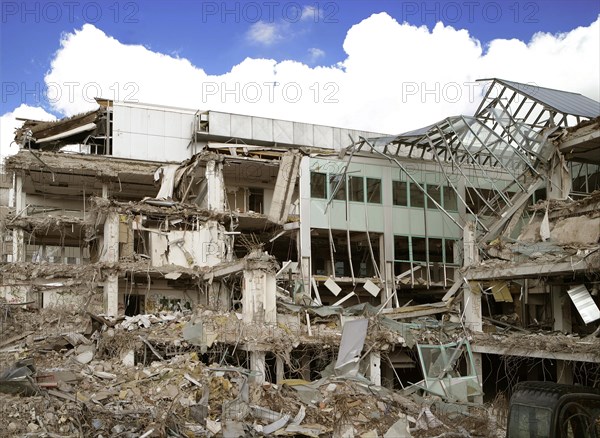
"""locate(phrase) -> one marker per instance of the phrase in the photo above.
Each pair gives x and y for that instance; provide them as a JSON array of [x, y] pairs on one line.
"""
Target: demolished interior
[[257, 276]]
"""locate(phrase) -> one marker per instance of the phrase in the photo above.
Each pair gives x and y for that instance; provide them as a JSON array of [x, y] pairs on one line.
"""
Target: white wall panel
[[151, 133]]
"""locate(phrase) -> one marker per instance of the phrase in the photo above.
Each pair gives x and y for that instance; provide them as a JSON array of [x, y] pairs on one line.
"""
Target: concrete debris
[[260, 277], [399, 429], [125, 388], [427, 420]]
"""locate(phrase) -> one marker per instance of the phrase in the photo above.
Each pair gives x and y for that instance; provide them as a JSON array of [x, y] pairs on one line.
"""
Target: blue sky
[[213, 35], [386, 66]]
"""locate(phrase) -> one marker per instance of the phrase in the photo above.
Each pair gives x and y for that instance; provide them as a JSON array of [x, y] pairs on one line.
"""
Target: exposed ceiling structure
[[516, 128]]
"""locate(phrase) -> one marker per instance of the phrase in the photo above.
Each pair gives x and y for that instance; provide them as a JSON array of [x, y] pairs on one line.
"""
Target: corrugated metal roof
[[562, 101], [420, 131]]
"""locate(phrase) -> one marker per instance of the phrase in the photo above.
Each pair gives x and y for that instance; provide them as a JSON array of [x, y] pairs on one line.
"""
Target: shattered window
[[586, 177], [436, 251], [401, 255], [357, 190], [53, 254], [435, 192], [539, 195], [317, 185], [320, 259], [401, 267], [419, 249], [474, 198], [72, 255], [334, 180], [374, 190], [33, 253], [434, 359], [401, 249], [340, 268], [450, 202], [400, 193], [256, 200], [449, 250], [417, 199]]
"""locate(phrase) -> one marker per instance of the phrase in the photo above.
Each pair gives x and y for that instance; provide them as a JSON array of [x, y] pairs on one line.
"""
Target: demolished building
[[426, 261]]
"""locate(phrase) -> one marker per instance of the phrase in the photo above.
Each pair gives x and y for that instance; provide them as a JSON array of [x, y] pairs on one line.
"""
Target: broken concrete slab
[[85, 357], [399, 429]]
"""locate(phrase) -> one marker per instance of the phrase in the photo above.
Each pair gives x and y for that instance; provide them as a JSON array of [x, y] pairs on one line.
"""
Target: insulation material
[[501, 292], [545, 227], [585, 304], [166, 174]]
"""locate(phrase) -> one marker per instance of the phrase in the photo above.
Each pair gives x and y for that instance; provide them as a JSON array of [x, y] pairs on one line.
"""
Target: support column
[[215, 186], [111, 295], [386, 264], [257, 364], [472, 300], [375, 368], [284, 187], [558, 186], [279, 370], [304, 242], [219, 296], [564, 372], [305, 367], [110, 250], [478, 364], [386, 240], [472, 296], [18, 246], [18, 243], [110, 254], [561, 310], [388, 376], [258, 297]]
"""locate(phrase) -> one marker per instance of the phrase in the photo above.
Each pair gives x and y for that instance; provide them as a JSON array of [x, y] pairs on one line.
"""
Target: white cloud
[[264, 33], [310, 12], [395, 77], [315, 54], [9, 122]]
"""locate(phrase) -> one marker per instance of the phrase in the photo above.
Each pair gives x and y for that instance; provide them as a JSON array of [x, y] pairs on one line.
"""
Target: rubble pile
[[73, 374]]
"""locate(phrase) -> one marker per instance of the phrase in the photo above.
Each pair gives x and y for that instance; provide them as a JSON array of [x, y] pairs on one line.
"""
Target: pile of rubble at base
[[73, 375]]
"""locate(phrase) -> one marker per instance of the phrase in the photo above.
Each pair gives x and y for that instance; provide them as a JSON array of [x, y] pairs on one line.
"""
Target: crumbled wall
[[576, 230], [73, 300], [14, 294], [580, 230], [158, 296], [204, 247]]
